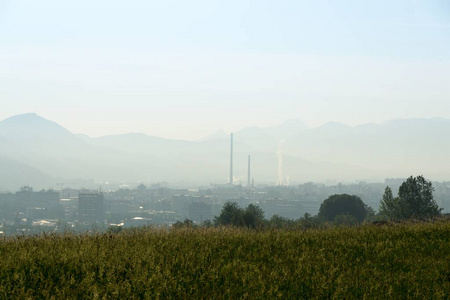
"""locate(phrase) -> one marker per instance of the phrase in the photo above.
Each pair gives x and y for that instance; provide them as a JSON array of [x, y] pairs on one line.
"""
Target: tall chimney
[[231, 161], [248, 178]]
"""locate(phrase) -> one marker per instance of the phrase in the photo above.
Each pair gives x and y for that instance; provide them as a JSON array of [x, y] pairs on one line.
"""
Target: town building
[[90, 207]]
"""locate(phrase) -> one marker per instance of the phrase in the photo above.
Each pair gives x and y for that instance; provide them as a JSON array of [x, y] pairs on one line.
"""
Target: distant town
[[30, 211], [53, 153]]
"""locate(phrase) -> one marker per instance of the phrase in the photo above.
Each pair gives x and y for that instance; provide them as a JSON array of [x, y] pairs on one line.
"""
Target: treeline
[[414, 201]]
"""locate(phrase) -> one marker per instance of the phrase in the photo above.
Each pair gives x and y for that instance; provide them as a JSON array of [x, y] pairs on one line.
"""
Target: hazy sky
[[184, 69]]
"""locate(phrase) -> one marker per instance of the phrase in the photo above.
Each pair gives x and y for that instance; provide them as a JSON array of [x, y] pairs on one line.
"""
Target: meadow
[[396, 261]]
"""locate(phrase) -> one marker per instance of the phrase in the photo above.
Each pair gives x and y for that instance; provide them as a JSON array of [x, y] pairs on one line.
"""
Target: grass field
[[392, 261]]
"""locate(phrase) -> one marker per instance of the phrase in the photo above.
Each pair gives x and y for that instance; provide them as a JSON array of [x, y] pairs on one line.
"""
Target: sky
[[185, 69]]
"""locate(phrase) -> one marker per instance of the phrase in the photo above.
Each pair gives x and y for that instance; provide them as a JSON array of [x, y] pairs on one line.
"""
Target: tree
[[390, 206], [415, 200], [231, 214], [416, 197], [253, 216], [308, 222], [207, 223], [343, 204], [277, 221], [345, 219]]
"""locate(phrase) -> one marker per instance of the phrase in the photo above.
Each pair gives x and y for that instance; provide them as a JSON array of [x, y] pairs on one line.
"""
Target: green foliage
[[406, 261], [416, 196], [280, 222], [390, 207], [345, 219], [370, 214], [307, 222], [186, 224], [207, 224], [253, 216], [343, 204], [232, 214], [415, 200]]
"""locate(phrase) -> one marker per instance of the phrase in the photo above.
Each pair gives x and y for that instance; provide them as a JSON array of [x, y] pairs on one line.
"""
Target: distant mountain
[[287, 129], [393, 148], [220, 134], [411, 146], [33, 147], [257, 138], [30, 132], [46, 146], [31, 126], [14, 174], [264, 139]]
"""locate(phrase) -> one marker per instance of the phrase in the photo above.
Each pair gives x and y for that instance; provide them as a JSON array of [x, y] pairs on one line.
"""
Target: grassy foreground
[[396, 261]]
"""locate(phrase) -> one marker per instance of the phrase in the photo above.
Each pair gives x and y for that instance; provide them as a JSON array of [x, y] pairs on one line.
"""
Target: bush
[[343, 205]]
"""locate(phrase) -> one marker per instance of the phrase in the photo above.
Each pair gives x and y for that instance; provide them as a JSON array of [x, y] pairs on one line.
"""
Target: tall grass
[[398, 261]]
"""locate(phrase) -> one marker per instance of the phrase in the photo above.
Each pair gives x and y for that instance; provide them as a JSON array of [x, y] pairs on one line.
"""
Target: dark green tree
[[307, 222], [343, 204], [370, 214], [231, 214], [390, 206], [415, 200], [253, 216], [345, 219], [276, 221]]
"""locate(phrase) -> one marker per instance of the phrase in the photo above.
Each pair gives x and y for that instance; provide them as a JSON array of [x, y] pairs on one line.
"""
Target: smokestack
[[231, 161], [248, 177]]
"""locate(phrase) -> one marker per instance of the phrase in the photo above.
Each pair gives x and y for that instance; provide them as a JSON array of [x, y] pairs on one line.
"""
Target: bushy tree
[[415, 200], [253, 216], [277, 221], [343, 204], [308, 222], [345, 219], [417, 195], [232, 214]]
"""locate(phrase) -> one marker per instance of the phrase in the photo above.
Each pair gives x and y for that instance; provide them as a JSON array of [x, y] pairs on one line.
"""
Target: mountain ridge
[[332, 152]]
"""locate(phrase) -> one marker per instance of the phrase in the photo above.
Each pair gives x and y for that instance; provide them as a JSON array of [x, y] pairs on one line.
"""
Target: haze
[[185, 69]]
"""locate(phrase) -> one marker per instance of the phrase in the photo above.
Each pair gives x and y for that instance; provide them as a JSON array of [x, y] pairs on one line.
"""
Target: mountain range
[[40, 153]]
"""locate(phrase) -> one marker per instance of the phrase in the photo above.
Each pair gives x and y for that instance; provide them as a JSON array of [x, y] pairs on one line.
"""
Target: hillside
[[16, 174]]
